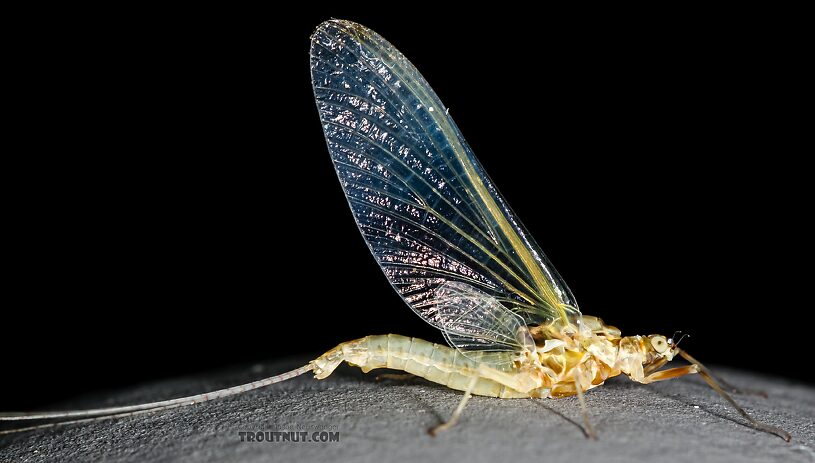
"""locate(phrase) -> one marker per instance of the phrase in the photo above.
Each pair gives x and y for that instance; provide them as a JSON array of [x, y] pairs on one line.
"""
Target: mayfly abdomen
[[428, 360]]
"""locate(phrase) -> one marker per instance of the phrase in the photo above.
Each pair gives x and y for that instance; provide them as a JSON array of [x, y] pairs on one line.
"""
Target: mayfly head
[[662, 347]]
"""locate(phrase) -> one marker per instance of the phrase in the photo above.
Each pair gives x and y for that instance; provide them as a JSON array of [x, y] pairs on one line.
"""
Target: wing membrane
[[423, 203], [475, 322]]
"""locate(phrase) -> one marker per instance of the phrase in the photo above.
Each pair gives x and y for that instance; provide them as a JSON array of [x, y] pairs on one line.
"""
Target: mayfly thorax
[[452, 248]]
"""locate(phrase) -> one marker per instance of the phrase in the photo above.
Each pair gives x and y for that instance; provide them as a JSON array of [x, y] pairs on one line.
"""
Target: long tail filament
[[98, 414]]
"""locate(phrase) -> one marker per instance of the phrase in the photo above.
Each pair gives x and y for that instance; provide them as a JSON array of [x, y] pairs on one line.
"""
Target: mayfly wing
[[477, 324], [422, 201], [464, 311]]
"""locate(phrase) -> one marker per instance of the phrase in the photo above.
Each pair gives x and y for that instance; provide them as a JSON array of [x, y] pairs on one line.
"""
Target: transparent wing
[[475, 322], [423, 203]]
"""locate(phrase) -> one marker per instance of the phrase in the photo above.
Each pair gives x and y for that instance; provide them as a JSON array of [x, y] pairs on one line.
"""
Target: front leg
[[670, 374]]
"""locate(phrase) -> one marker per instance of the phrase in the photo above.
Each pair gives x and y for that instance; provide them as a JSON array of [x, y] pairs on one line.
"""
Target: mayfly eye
[[659, 344]]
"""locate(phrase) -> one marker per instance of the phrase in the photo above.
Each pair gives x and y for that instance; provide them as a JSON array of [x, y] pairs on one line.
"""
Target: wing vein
[[530, 291], [410, 111]]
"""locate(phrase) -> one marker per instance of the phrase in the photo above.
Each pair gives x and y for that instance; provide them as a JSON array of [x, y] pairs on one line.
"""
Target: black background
[[170, 206]]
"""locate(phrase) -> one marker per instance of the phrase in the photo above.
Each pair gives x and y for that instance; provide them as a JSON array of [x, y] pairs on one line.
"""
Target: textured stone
[[678, 420]]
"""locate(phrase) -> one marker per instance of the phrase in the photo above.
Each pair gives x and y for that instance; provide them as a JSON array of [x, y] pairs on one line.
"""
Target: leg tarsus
[[711, 381], [755, 423]]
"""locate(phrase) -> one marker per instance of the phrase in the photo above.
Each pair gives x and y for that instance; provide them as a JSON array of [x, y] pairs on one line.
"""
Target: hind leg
[[457, 412], [396, 376]]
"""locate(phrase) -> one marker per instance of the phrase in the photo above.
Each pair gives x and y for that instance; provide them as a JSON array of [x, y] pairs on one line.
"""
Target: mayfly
[[452, 248]]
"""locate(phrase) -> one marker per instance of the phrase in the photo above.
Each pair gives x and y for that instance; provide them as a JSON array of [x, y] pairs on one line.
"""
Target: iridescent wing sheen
[[422, 201], [474, 321]]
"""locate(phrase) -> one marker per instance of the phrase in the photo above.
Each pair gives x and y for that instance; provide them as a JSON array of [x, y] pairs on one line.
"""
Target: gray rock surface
[[678, 420]]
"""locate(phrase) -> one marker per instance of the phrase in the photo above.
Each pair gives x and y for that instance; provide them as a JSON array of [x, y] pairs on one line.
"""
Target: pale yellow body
[[557, 361], [563, 357]]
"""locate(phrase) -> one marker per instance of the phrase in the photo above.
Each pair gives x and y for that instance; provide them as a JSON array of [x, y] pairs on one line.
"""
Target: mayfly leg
[[736, 390], [459, 409], [670, 373], [396, 376], [583, 408], [711, 381], [655, 366]]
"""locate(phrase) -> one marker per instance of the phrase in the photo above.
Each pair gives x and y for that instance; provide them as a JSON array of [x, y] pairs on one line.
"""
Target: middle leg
[[578, 387]]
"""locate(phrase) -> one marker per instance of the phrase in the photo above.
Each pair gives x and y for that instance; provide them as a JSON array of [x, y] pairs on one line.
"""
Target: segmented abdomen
[[431, 361]]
